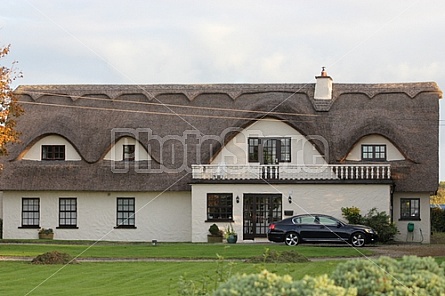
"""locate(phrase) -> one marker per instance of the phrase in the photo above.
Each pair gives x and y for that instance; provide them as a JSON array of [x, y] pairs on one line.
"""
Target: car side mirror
[[339, 224]]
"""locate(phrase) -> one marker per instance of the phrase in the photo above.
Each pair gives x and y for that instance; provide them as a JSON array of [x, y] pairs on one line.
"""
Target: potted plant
[[216, 235], [230, 235], [46, 233]]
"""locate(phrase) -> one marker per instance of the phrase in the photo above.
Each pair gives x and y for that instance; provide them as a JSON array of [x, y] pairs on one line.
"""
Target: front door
[[259, 210]]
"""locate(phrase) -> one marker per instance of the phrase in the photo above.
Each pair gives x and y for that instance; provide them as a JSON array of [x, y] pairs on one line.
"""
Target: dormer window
[[128, 153], [269, 150], [374, 152], [53, 152]]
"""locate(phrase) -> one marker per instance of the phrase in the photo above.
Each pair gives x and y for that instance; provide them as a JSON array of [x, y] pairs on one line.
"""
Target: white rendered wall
[[306, 198], [323, 88], [302, 150], [165, 217], [116, 152], [422, 228], [35, 152], [392, 153]]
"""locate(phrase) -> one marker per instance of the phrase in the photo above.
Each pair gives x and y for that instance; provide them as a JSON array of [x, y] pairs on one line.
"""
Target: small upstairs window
[[53, 152], [129, 153], [374, 152]]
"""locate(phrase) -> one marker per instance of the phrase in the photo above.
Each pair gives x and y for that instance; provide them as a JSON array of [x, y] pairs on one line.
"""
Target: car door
[[329, 229], [334, 229], [310, 230]]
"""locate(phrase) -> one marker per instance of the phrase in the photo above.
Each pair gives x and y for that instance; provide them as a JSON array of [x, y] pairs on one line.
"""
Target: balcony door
[[259, 210]]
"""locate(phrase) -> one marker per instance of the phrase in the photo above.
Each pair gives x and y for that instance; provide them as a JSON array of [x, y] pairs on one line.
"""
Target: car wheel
[[291, 239], [358, 239]]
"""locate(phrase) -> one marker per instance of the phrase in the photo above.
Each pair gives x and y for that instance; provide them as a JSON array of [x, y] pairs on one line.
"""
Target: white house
[[137, 163]]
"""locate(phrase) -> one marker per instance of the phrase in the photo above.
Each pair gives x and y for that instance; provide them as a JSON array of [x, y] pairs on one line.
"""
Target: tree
[[439, 198], [9, 107]]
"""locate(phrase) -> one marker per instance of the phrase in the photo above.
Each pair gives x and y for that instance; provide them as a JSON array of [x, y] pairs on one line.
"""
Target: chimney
[[323, 86]]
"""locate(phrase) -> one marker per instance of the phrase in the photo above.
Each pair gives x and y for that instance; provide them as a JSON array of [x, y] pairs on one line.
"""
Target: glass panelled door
[[259, 210], [270, 151]]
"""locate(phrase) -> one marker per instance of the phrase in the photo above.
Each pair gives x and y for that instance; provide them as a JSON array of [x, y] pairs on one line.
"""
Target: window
[[269, 150], [30, 212], [253, 149], [219, 206], [374, 152], [67, 212], [53, 152], [410, 209], [128, 152], [125, 212]]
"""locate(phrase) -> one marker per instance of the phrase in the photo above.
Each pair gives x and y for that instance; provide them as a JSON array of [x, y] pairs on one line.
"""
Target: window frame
[[53, 153], [35, 217], [255, 149], [374, 152], [70, 213], [221, 206], [126, 218], [128, 155], [406, 204]]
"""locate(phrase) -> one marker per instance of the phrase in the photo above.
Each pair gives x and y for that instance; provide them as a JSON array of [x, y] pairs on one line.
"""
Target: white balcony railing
[[293, 172]]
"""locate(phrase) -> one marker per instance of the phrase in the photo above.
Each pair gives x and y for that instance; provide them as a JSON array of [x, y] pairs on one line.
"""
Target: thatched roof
[[86, 115]]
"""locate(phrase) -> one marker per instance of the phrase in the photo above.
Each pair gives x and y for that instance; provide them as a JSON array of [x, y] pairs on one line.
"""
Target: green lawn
[[175, 250], [150, 277], [132, 278]]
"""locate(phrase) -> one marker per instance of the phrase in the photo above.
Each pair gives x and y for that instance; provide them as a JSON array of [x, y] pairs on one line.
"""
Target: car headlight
[[369, 230]]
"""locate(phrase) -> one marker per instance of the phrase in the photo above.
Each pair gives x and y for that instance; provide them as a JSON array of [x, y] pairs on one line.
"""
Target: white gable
[[303, 151], [35, 152], [392, 153], [116, 152]]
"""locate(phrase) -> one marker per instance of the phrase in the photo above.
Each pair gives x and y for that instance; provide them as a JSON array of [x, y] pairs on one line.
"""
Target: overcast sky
[[151, 42]]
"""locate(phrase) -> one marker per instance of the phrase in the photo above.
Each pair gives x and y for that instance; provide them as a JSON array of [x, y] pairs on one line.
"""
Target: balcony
[[293, 172]]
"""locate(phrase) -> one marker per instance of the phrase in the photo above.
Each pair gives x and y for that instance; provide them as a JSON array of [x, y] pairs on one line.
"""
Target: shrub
[[409, 276], [438, 219], [379, 221], [214, 230], [53, 257], [267, 283], [353, 215]]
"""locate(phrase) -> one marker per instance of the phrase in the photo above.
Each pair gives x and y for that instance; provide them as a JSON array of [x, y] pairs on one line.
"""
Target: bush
[[438, 219], [409, 276], [420, 276], [353, 215], [267, 283], [53, 257], [379, 221]]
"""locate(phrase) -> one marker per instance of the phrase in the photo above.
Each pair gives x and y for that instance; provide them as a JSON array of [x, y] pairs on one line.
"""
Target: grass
[[132, 278], [149, 277], [175, 250]]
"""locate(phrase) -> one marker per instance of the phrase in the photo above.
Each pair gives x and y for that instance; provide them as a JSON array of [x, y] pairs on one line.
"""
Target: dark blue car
[[317, 228]]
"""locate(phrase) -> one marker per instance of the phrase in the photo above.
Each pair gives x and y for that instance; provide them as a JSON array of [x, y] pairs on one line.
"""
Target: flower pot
[[46, 235], [214, 239], [232, 238]]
